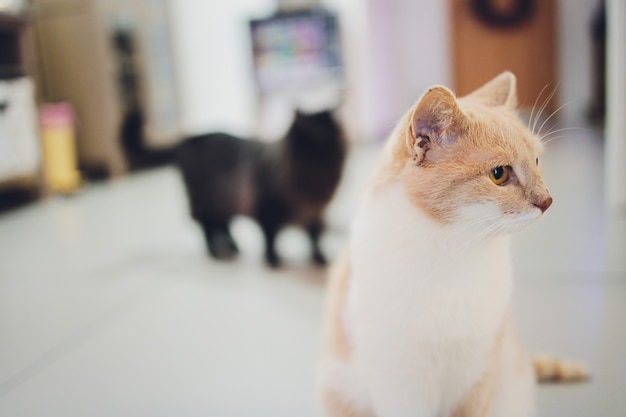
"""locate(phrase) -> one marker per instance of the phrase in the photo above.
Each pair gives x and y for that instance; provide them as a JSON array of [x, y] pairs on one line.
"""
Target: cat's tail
[[552, 369]]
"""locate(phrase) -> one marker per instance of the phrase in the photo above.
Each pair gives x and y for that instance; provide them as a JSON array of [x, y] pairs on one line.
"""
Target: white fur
[[424, 308], [516, 387], [345, 380]]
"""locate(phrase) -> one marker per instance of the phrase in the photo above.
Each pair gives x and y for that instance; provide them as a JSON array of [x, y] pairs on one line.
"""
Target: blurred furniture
[[597, 107], [20, 154], [615, 138], [140, 34], [491, 36], [79, 62]]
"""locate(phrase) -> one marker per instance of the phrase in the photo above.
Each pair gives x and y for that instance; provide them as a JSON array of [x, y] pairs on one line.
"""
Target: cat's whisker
[[489, 231], [485, 233], [548, 137], [475, 222], [554, 138], [530, 119], [455, 234], [553, 114], [551, 132], [542, 108]]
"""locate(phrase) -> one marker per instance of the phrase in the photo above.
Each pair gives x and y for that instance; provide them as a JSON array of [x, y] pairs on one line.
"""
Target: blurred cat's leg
[[270, 231], [315, 230], [271, 217], [219, 241], [232, 245]]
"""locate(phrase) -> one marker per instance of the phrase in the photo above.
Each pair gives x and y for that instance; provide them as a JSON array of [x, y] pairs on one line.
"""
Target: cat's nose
[[544, 205]]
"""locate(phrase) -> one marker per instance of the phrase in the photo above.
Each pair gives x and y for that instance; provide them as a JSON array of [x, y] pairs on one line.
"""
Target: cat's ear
[[436, 121], [501, 91]]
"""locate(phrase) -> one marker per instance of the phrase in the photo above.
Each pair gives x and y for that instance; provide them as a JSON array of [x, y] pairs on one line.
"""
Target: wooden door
[[528, 48]]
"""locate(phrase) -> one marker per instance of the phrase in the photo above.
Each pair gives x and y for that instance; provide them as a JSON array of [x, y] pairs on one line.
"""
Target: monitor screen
[[296, 50]]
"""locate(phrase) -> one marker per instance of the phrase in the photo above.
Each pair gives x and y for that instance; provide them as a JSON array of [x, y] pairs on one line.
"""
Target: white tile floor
[[109, 305]]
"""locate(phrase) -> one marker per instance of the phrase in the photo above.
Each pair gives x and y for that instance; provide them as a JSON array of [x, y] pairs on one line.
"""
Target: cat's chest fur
[[424, 307]]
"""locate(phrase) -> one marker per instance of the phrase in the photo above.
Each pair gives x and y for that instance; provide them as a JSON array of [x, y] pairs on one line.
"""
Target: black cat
[[287, 182]]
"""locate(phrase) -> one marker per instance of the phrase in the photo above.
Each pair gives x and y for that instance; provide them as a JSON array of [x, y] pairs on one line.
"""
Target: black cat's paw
[[233, 246], [319, 259], [272, 260], [223, 255], [223, 248]]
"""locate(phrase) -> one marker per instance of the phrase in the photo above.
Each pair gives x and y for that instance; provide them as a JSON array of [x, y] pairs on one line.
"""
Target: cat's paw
[[272, 260], [223, 247], [551, 369], [319, 259], [223, 255]]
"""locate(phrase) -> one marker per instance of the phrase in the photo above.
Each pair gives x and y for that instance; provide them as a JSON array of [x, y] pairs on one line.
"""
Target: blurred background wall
[[393, 51], [180, 67], [216, 87]]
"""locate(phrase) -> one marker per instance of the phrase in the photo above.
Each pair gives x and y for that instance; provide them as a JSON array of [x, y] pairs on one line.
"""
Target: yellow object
[[59, 148]]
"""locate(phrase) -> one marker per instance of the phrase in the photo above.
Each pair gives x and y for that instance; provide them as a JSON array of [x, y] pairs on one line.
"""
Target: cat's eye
[[536, 161], [499, 175]]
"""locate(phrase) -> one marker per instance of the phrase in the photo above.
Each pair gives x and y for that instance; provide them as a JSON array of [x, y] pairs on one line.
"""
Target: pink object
[[56, 115]]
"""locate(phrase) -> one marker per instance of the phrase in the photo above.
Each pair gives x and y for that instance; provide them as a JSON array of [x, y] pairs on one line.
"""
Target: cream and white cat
[[418, 307]]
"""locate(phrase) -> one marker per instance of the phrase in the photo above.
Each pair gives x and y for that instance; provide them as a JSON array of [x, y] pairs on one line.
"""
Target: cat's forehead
[[501, 128]]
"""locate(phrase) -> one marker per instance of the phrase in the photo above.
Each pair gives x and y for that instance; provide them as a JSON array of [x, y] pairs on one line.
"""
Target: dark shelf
[[11, 22], [10, 72], [11, 64]]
